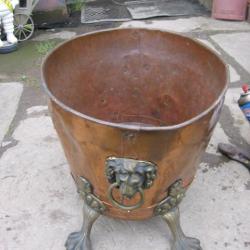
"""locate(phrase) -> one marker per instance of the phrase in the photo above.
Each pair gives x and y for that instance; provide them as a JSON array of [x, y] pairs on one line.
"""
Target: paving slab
[[64, 35], [217, 207], [39, 205], [190, 24], [218, 136], [234, 76], [210, 24], [179, 25], [36, 109], [37, 193], [10, 94], [237, 45]]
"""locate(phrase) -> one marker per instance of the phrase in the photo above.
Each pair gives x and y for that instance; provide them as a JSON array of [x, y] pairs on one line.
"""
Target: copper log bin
[[134, 110]]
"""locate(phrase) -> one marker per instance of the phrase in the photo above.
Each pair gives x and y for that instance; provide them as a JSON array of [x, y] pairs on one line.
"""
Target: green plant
[[75, 5], [44, 47], [30, 81]]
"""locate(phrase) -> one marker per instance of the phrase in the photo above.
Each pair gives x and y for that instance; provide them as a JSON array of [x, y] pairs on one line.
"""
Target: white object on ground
[[7, 20]]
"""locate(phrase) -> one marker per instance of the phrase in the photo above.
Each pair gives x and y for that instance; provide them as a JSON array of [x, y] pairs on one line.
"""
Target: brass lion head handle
[[131, 177]]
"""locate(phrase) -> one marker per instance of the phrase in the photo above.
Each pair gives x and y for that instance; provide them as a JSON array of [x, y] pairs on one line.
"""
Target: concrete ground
[[39, 205]]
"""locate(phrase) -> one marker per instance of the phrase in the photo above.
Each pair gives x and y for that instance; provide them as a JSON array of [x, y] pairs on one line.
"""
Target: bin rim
[[130, 126]]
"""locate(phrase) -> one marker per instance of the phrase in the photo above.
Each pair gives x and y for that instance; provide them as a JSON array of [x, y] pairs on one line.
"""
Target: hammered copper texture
[[133, 89]]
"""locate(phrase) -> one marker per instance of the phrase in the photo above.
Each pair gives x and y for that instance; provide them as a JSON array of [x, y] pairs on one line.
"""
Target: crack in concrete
[[9, 176], [30, 97], [12, 144]]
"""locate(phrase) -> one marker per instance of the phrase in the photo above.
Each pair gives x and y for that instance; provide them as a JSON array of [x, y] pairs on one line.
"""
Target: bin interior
[[140, 76]]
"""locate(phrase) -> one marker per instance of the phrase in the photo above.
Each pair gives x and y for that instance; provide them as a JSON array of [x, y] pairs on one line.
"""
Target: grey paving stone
[[190, 24], [10, 94], [237, 45], [64, 35], [40, 206], [234, 76]]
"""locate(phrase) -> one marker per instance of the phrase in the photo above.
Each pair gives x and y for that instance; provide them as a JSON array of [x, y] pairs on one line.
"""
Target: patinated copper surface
[[134, 93]]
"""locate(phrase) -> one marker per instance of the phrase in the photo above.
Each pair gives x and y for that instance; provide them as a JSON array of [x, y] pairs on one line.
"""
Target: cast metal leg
[[181, 242], [81, 240]]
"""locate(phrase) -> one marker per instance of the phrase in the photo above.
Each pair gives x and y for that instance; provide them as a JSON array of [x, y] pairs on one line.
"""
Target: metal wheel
[[23, 27]]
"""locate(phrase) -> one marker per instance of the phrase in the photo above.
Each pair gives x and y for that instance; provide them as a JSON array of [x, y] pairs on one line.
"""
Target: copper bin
[[139, 95]]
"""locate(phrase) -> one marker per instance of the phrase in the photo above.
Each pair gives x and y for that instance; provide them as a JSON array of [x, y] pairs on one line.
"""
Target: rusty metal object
[[138, 94], [134, 93]]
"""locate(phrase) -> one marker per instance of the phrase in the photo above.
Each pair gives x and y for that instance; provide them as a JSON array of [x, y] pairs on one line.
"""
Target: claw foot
[[81, 240], [187, 244], [78, 241], [181, 241]]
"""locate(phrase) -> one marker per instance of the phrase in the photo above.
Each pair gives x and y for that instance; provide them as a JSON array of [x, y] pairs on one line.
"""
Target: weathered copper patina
[[137, 94]]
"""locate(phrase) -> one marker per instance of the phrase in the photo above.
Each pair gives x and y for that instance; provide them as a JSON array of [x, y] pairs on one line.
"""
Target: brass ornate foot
[[169, 211], [181, 242], [92, 209], [81, 240]]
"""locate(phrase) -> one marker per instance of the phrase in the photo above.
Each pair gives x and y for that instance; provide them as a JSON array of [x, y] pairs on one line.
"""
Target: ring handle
[[121, 205]]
